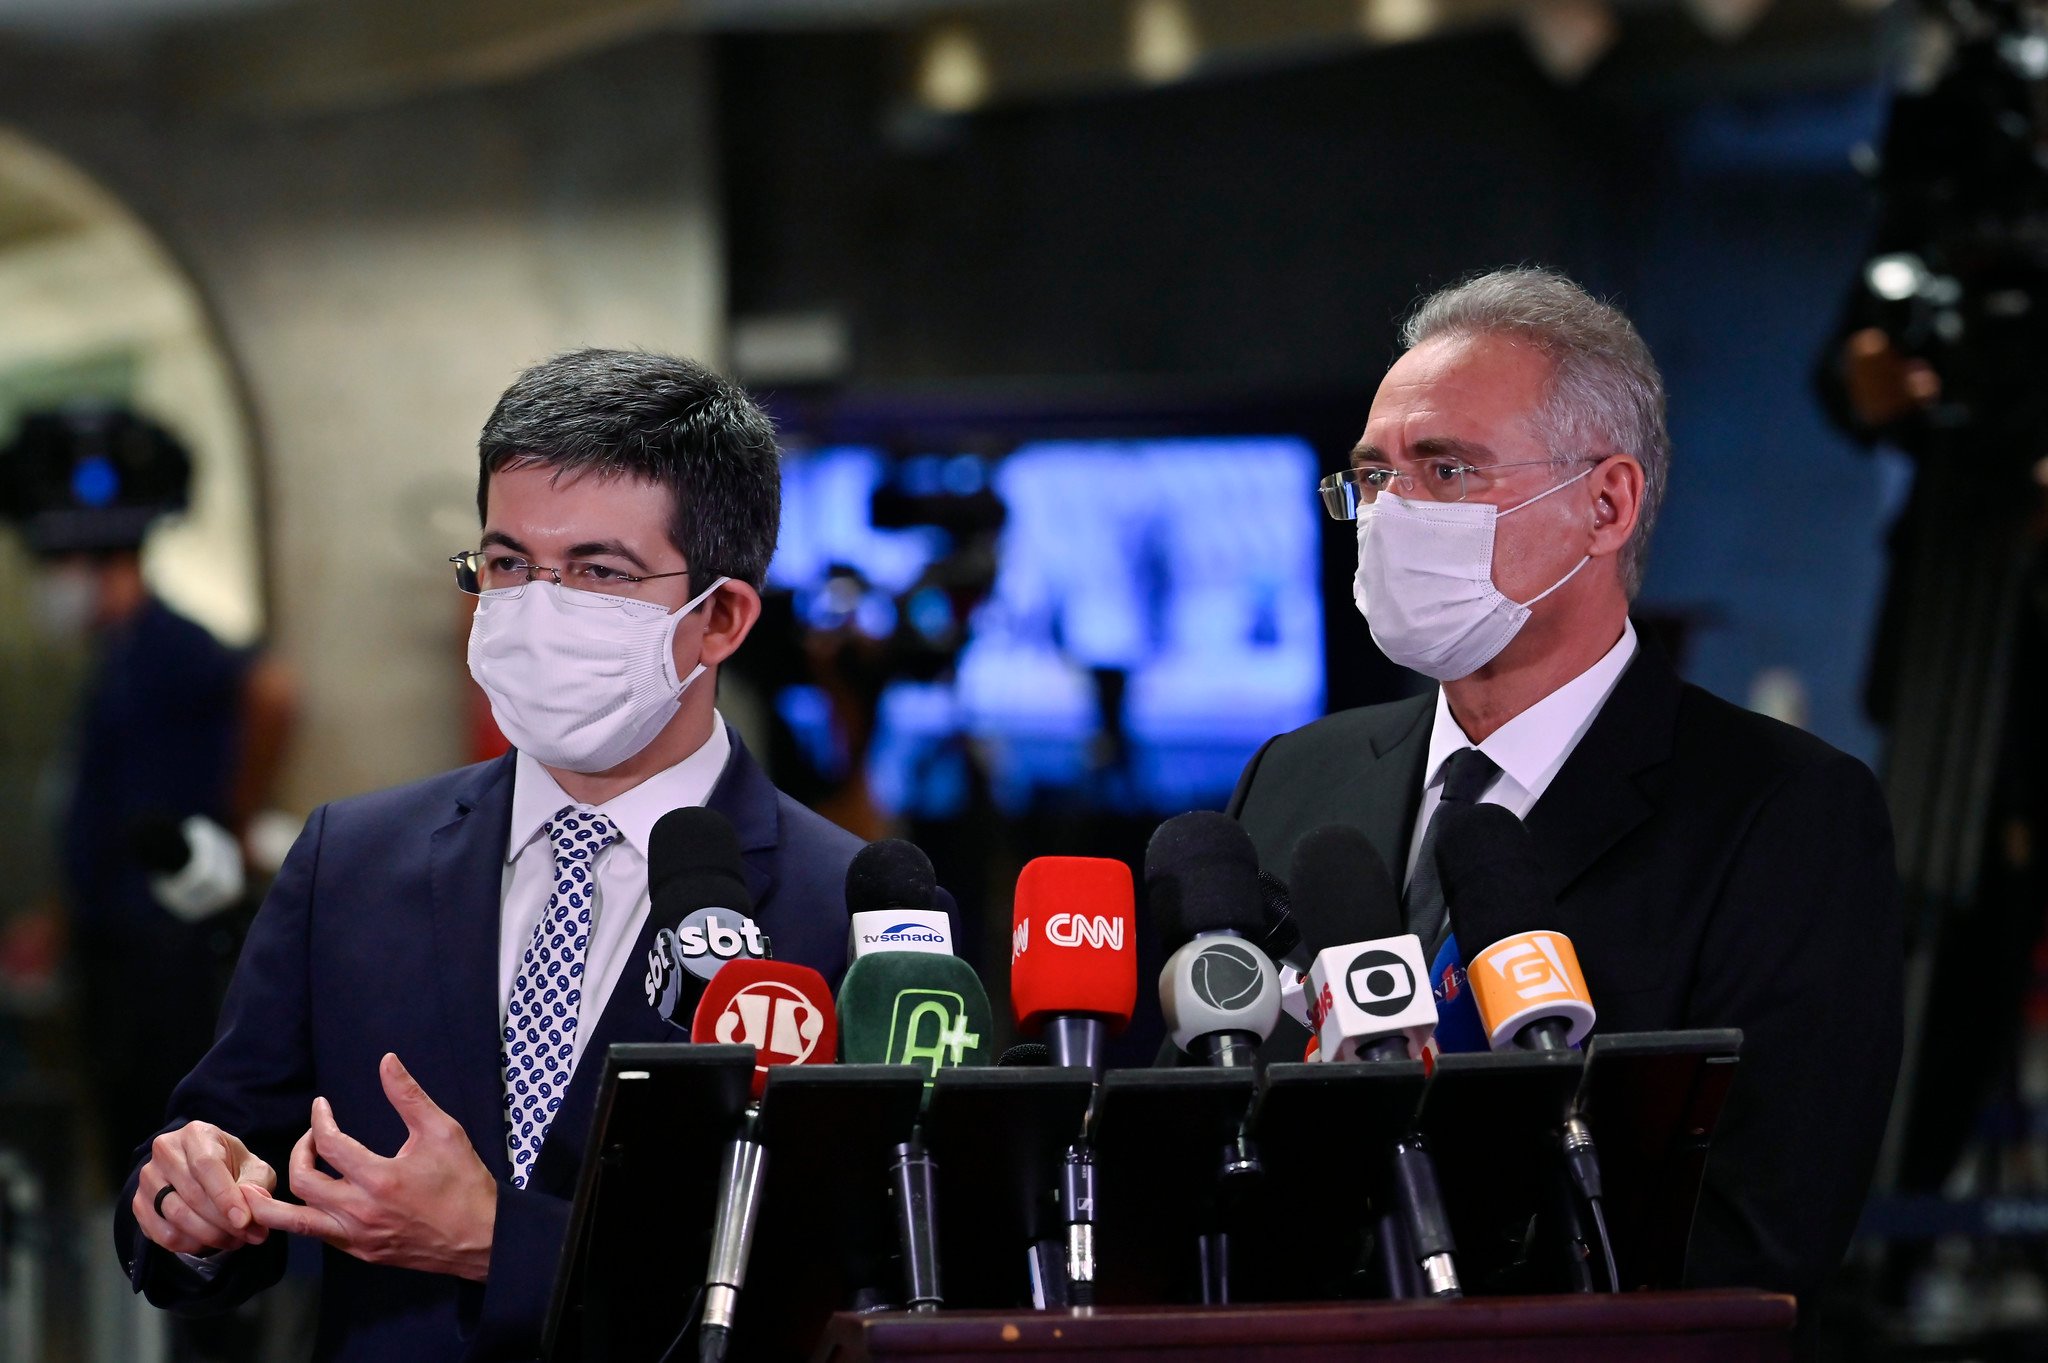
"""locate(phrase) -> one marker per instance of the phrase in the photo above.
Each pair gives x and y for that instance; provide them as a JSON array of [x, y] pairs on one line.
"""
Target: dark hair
[[668, 420]]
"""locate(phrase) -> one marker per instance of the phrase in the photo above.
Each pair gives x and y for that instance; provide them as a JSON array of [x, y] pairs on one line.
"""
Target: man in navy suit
[[415, 1030]]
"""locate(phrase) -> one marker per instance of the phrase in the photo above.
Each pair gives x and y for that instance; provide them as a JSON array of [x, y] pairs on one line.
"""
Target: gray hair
[[1605, 397]]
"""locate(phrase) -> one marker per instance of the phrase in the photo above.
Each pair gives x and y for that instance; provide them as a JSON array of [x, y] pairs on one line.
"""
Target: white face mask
[[579, 680], [63, 602], [1425, 583]]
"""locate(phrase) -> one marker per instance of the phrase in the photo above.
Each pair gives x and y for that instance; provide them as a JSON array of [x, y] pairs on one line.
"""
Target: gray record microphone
[[1219, 989]]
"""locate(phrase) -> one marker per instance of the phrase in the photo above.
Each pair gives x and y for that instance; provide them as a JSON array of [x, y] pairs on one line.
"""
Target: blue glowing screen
[[1185, 567]]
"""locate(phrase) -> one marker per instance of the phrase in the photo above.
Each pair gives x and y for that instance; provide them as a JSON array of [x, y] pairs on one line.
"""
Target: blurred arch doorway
[[93, 306]]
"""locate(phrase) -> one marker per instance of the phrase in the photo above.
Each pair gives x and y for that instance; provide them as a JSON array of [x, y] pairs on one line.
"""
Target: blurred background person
[[175, 749]]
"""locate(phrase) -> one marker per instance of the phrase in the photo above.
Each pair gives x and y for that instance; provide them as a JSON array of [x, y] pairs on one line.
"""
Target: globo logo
[[1380, 982]]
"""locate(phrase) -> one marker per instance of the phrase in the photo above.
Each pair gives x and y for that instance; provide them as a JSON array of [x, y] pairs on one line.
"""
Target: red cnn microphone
[[1074, 978], [1073, 955], [784, 1011]]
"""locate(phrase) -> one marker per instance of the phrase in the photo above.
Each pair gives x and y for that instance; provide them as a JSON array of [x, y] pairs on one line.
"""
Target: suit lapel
[[1597, 796], [1382, 794], [467, 860], [747, 798]]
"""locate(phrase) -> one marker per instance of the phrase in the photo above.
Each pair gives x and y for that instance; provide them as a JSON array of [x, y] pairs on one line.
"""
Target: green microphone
[[914, 1008], [910, 1006]]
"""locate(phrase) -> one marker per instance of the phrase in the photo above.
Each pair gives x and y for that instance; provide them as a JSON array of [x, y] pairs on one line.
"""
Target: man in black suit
[[1714, 868], [425, 999]]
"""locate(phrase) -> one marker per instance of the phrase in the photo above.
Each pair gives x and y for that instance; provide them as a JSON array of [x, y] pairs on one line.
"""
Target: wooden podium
[[1672, 1327]]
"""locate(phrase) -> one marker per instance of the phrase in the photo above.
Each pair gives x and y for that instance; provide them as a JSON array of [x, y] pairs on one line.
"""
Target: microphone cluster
[[1327, 945]]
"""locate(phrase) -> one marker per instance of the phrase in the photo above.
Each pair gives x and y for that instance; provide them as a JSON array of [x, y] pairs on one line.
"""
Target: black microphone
[[1371, 1001], [697, 894], [1524, 975], [1282, 939], [1219, 991], [1344, 898]]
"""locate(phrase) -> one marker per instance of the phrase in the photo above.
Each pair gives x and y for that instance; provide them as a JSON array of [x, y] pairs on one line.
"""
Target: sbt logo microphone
[[931, 1028], [875, 930], [701, 943]]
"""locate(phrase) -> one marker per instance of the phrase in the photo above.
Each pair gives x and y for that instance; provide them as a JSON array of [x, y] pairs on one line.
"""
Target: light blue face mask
[[1425, 583]]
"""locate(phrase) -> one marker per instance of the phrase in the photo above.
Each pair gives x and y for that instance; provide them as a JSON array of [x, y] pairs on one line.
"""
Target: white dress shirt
[[619, 909], [1530, 748]]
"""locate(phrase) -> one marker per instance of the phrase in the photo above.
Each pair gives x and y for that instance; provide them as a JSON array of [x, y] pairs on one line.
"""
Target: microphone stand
[[1077, 1041], [1425, 1230], [740, 1177], [912, 1187]]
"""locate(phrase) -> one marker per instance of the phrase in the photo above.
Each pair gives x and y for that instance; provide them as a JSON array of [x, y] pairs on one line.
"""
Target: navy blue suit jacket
[[381, 934]]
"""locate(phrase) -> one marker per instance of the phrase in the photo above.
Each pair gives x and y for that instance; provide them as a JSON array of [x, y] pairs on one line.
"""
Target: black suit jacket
[[1713, 868], [381, 934]]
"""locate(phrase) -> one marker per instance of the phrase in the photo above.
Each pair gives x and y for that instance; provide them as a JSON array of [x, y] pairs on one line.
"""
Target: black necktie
[[1467, 774]]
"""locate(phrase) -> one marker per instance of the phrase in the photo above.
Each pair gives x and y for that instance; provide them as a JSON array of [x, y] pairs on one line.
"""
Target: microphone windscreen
[[1518, 966], [698, 907], [1493, 883], [1340, 889], [890, 874], [693, 862], [1026, 1053], [914, 1008], [1072, 951], [782, 1009], [1202, 875], [1283, 934]]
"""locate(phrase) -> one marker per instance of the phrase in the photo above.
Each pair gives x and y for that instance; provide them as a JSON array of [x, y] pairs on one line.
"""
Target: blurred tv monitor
[[1181, 573]]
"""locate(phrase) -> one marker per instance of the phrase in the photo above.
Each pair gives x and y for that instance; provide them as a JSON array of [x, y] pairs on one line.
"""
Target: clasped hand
[[432, 1206]]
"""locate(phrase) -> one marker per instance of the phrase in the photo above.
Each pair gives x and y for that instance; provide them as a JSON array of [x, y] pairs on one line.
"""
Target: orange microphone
[[1526, 981], [1524, 974]]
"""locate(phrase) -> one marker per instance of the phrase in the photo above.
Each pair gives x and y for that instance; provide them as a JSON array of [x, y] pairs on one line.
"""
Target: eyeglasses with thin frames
[[1437, 480], [481, 570]]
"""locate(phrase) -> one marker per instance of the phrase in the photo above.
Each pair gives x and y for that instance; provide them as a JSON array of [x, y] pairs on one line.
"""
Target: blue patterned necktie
[[547, 993]]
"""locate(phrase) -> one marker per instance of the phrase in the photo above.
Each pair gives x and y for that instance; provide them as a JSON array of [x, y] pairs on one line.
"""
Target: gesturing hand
[[198, 1191], [432, 1206]]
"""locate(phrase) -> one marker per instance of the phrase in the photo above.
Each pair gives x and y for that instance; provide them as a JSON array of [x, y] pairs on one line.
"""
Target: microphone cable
[[1582, 1159], [669, 1355]]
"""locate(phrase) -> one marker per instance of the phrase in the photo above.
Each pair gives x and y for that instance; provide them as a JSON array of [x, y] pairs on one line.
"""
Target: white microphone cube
[[876, 930], [1364, 991]]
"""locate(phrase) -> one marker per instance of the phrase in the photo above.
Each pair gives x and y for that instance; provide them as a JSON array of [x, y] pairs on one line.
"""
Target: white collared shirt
[[1530, 748], [620, 908]]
